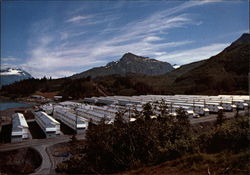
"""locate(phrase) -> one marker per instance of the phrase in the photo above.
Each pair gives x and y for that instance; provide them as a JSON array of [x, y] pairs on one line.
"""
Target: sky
[[61, 38]]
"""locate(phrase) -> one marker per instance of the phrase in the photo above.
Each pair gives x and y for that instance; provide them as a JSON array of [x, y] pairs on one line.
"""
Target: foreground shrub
[[231, 135]]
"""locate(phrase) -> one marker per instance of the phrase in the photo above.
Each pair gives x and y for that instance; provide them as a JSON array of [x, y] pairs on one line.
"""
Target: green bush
[[231, 135]]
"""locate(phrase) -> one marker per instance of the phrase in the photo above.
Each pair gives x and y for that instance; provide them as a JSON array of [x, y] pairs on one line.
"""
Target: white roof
[[70, 103], [18, 123], [48, 120], [19, 120], [70, 113], [132, 119]]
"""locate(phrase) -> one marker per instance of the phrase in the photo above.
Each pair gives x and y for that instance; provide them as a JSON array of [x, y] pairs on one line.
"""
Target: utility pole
[[171, 106], [53, 107], [129, 112], [193, 103], [76, 118]]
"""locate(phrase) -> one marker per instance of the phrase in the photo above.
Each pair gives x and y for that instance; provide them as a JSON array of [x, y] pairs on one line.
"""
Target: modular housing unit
[[189, 112], [227, 106], [49, 125], [20, 128], [105, 110], [70, 118], [213, 107], [240, 104], [126, 102], [97, 113], [48, 108], [90, 100], [197, 108], [105, 101], [70, 104]]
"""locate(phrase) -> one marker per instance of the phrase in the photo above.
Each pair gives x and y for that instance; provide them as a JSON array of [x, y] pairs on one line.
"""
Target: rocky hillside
[[225, 72], [129, 63]]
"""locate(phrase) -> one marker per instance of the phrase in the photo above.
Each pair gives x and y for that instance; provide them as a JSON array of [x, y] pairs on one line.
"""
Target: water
[[8, 104]]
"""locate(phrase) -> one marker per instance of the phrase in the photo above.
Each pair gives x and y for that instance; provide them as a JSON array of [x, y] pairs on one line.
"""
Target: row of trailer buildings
[[193, 104], [78, 115], [20, 128]]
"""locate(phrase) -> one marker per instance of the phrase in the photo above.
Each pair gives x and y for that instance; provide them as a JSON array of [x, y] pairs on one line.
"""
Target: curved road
[[41, 146]]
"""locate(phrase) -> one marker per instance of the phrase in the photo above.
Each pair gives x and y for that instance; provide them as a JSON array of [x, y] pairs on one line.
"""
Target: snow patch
[[12, 72], [176, 66]]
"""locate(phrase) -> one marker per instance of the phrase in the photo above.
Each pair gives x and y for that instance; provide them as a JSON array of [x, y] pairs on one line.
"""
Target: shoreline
[[6, 115]]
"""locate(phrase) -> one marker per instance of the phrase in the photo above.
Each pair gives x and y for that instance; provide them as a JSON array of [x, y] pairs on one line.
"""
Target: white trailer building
[[240, 104], [106, 101], [213, 107], [48, 108], [49, 125], [90, 100], [70, 118], [20, 129], [97, 113], [70, 104], [227, 106]]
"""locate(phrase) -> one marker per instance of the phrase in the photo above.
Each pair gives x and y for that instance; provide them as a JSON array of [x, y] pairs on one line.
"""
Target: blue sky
[[60, 38]]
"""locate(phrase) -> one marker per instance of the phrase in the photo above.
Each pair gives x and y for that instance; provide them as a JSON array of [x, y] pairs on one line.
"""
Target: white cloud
[[9, 59], [6, 65], [77, 18], [152, 38], [55, 74], [191, 55]]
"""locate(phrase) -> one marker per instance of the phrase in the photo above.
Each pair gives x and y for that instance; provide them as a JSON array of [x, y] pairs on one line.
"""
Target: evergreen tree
[[220, 118], [147, 111]]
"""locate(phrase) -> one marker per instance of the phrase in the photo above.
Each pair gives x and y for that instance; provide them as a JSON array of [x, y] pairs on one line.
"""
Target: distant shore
[[6, 114], [4, 98], [10, 111]]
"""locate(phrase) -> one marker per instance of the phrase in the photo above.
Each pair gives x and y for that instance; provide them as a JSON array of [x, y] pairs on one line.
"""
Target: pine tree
[[220, 118]]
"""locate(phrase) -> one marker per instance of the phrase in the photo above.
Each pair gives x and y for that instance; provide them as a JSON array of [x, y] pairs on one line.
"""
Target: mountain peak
[[129, 63], [242, 40], [132, 57], [245, 38], [128, 54]]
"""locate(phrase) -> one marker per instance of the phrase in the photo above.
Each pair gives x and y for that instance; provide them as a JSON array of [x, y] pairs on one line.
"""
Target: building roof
[[18, 123], [47, 120], [70, 103], [71, 114]]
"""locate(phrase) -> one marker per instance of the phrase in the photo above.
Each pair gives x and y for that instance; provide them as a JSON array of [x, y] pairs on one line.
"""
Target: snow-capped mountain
[[10, 75]]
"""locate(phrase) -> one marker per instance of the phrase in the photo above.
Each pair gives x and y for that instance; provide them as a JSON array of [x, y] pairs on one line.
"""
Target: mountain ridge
[[224, 73], [128, 63]]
